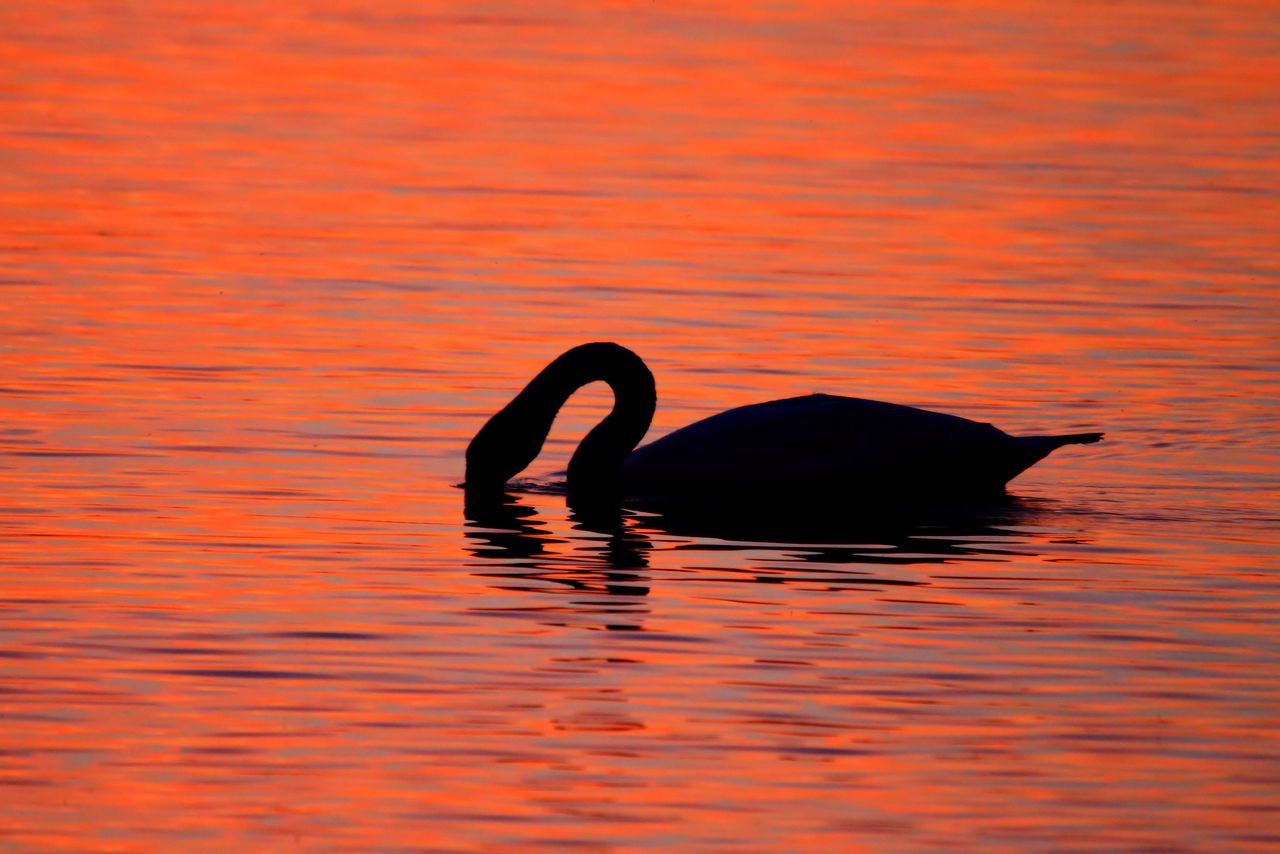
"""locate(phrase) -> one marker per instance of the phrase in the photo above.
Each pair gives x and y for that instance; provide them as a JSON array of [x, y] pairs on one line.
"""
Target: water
[[266, 269]]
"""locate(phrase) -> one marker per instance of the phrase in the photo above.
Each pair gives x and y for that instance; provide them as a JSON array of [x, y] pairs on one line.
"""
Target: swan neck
[[514, 436]]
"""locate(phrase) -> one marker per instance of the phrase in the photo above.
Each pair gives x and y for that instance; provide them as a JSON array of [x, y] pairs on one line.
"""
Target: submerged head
[[502, 449]]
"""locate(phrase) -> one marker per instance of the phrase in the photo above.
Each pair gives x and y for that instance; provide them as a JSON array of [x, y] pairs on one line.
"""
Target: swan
[[818, 446]]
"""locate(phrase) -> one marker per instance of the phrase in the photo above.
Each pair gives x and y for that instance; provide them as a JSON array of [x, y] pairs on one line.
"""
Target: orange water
[[267, 267]]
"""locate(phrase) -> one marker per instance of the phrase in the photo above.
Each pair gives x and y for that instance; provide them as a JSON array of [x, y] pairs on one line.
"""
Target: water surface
[[266, 270]]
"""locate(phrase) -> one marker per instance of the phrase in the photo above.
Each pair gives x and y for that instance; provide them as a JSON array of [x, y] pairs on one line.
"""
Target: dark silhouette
[[819, 449]]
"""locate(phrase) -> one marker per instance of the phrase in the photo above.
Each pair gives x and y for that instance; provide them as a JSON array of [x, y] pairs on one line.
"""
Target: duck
[[816, 447]]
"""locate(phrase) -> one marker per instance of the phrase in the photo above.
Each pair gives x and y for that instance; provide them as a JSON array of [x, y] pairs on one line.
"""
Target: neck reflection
[[605, 556]]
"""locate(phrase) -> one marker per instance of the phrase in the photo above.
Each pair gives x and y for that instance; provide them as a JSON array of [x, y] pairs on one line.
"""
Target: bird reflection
[[607, 549], [606, 556], [503, 527], [888, 536], [842, 551], [508, 528]]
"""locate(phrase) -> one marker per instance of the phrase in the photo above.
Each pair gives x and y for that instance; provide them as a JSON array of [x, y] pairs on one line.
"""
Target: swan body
[[814, 447], [862, 448]]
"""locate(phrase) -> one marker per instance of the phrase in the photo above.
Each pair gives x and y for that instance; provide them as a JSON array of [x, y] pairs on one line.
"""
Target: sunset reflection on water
[[266, 270]]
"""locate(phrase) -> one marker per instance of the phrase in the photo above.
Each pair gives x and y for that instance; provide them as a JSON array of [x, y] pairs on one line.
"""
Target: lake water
[[266, 268]]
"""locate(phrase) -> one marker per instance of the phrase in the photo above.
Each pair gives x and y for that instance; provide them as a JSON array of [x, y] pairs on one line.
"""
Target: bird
[[817, 447]]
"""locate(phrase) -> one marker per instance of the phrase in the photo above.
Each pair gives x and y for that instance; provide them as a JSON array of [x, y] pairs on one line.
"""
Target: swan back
[[820, 441]]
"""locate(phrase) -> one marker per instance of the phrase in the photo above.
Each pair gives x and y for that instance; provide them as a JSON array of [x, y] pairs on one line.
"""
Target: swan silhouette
[[816, 447]]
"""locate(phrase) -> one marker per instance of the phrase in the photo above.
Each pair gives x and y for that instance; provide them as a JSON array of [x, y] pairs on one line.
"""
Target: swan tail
[[1039, 447], [1036, 448]]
